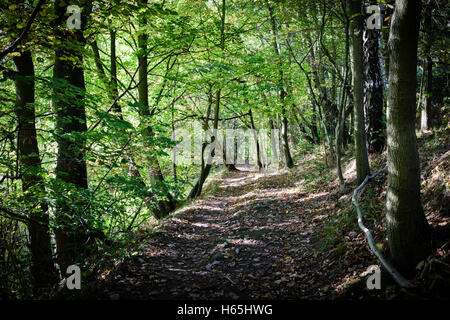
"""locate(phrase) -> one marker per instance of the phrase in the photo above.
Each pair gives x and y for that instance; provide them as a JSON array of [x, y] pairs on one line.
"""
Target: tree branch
[[24, 32]]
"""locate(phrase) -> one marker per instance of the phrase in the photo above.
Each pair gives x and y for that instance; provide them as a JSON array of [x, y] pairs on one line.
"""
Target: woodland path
[[251, 237]]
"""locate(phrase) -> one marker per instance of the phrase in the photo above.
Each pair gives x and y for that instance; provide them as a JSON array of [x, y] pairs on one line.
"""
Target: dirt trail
[[251, 238], [283, 235]]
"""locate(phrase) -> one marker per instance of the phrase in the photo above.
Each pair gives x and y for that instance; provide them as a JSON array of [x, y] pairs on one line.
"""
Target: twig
[[228, 278], [440, 262], [24, 32]]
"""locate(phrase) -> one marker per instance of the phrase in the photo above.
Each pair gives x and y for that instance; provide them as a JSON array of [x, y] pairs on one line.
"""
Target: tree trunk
[[356, 54], [71, 168], [255, 136], [113, 66], [284, 132], [42, 268], [289, 163], [427, 113], [373, 90], [229, 166], [385, 39], [157, 179], [408, 232], [342, 115], [315, 129], [274, 147], [302, 127], [206, 168]]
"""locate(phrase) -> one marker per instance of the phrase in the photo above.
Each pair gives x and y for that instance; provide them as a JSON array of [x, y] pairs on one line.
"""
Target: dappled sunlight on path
[[253, 236]]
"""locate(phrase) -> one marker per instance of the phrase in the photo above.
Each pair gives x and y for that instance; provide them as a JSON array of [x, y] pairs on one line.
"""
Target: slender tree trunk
[[284, 133], [255, 136], [274, 147], [197, 189], [356, 53], [408, 232], [42, 267], [206, 168], [71, 120], [113, 67], [427, 113], [327, 110], [341, 116], [373, 90], [111, 86], [385, 39], [284, 121], [328, 151], [157, 179], [223, 10], [302, 127], [278, 127]]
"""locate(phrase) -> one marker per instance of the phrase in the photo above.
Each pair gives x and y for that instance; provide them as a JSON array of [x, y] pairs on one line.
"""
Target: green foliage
[[194, 52], [339, 224]]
